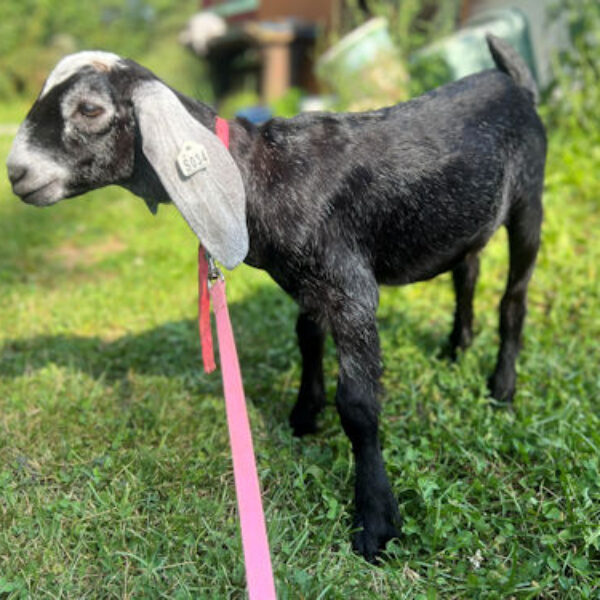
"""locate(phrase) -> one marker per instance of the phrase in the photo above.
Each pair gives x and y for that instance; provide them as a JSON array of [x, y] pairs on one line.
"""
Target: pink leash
[[259, 572]]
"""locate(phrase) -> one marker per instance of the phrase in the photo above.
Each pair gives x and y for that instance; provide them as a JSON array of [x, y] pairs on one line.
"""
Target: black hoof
[[376, 526], [371, 539], [303, 422], [458, 343], [302, 428], [303, 418], [502, 389]]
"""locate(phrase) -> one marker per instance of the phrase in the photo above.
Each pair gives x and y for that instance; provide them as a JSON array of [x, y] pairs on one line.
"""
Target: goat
[[330, 205]]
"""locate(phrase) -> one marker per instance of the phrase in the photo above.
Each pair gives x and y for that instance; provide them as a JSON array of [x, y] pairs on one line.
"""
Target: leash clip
[[214, 273]]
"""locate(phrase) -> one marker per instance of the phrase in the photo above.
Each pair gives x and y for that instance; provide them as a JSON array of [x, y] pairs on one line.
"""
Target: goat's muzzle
[[35, 177]]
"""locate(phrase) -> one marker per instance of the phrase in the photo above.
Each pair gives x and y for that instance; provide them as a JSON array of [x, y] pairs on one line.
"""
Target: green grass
[[115, 475]]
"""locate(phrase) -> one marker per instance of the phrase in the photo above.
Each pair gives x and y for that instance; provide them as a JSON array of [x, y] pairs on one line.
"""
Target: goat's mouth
[[43, 195]]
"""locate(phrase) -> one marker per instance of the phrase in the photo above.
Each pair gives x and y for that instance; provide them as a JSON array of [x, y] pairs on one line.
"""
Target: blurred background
[[265, 57]]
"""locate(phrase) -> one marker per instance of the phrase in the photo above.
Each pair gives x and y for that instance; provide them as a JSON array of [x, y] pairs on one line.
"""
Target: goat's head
[[103, 120]]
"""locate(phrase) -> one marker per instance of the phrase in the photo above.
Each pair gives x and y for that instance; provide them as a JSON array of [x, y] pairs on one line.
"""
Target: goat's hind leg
[[464, 278], [523, 227], [311, 397]]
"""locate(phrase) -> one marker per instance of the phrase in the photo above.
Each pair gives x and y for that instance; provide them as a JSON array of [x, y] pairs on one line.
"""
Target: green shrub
[[34, 34], [574, 101], [287, 105]]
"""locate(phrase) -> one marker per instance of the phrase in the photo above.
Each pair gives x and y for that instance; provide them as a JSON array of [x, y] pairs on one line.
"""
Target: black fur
[[339, 203]]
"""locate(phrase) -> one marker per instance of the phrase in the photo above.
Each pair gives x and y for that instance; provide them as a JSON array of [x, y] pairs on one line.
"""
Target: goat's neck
[[243, 138], [279, 221]]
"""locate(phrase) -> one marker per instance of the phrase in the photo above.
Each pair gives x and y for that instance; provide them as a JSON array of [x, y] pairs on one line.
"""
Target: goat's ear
[[196, 170]]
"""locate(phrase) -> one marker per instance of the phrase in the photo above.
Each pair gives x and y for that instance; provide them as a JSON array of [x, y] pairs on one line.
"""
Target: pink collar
[[222, 131]]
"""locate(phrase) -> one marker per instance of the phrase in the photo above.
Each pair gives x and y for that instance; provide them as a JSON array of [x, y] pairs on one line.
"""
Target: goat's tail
[[509, 61]]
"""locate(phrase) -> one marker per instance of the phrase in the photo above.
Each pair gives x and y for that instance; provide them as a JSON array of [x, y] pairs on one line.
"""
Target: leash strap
[[259, 572], [206, 341]]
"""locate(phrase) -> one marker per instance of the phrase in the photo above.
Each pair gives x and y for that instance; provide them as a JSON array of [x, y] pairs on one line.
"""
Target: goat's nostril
[[16, 173]]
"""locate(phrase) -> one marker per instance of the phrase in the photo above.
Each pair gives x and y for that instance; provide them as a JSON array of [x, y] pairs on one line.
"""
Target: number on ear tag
[[192, 158]]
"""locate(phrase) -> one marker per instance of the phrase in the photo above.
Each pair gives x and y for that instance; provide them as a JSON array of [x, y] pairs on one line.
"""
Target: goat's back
[[414, 186]]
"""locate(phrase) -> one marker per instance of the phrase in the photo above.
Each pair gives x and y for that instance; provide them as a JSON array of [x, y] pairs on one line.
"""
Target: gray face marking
[[42, 180], [69, 65], [78, 124]]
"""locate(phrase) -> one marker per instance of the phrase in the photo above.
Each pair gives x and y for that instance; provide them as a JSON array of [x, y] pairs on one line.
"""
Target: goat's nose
[[16, 172]]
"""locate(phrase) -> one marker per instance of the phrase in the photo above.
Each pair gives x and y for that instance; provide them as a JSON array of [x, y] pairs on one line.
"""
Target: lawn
[[115, 474]]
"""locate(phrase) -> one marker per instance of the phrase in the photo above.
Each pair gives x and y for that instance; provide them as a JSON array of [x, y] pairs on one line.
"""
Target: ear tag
[[192, 158]]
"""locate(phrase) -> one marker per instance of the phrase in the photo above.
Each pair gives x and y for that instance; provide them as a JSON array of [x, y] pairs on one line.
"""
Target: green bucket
[[466, 51], [360, 48]]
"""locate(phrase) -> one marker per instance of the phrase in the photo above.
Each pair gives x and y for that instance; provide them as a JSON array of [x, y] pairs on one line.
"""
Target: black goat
[[331, 205]]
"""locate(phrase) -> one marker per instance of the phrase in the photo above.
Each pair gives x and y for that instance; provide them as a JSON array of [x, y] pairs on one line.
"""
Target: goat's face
[[79, 134], [103, 120]]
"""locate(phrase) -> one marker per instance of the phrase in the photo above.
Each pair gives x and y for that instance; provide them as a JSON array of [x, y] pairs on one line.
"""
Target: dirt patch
[[73, 256]]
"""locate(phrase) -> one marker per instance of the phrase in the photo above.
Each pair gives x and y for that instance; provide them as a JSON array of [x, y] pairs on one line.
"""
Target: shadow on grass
[[431, 341], [172, 349], [264, 328]]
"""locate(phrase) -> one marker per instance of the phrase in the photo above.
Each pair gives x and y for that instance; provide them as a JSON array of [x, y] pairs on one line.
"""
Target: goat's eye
[[90, 110]]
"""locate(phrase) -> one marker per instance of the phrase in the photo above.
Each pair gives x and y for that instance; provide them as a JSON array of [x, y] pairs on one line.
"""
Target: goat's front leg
[[377, 518], [311, 397]]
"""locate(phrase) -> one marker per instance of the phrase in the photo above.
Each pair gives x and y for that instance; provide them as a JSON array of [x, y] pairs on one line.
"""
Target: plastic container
[[361, 47], [364, 69], [466, 51]]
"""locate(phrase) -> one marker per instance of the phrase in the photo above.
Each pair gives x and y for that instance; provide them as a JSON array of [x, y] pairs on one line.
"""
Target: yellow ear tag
[[192, 158]]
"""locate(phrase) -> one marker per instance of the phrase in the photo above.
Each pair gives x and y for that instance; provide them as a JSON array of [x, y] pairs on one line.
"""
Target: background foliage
[[413, 23], [574, 99], [34, 34]]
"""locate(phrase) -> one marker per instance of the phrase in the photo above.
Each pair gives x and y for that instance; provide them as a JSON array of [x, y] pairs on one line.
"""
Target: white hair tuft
[[70, 64]]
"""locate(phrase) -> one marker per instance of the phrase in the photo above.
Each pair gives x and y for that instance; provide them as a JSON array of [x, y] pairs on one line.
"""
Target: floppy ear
[[196, 170]]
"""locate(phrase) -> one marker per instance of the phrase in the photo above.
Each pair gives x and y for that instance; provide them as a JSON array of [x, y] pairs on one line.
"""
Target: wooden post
[[274, 43]]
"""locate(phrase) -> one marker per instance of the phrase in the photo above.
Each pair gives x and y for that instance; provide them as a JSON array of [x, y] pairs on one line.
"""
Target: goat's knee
[[359, 412]]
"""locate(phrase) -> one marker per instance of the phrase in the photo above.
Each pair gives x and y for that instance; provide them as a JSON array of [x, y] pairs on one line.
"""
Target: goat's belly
[[424, 239], [403, 267], [405, 276]]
